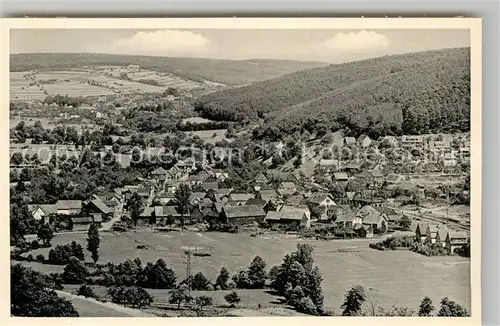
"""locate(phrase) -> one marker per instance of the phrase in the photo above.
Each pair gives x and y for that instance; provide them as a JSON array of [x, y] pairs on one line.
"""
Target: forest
[[392, 95], [228, 72]]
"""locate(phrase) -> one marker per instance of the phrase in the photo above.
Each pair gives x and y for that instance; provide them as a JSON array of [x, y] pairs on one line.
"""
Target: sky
[[332, 46]]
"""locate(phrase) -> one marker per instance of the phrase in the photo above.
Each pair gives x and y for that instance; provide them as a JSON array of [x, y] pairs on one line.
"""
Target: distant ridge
[[228, 72], [409, 93]]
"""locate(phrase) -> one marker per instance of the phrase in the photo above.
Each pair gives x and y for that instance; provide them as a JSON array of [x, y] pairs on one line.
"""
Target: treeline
[[62, 100], [197, 126], [412, 93], [229, 72]]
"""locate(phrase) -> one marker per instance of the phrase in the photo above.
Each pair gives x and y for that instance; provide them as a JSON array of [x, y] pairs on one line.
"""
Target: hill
[[411, 93], [228, 72]]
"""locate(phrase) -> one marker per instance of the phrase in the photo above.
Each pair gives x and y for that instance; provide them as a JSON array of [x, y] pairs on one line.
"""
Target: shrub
[[241, 280], [34, 245], [200, 282], [86, 291], [40, 258], [60, 255], [306, 305], [232, 298], [75, 272], [130, 295], [29, 257], [231, 285]]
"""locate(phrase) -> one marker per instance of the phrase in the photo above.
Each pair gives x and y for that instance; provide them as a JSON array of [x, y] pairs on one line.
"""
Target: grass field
[[207, 135], [389, 277]]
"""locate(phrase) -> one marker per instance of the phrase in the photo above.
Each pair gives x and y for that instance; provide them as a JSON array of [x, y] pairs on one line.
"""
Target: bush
[[75, 272], [200, 282], [29, 257], [232, 298], [86, 291], [130, 295], [34, 245], [306, 305], [231, 285], [40, 258], [60, 255]]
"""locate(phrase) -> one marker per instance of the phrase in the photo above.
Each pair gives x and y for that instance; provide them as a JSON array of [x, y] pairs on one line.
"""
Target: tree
[[93, 241], [426, 307], [306, 305], [182, 197], [232, 298], [75, 272], [135, 206], [31, 296], [257, 273], [179, 295], [45, 234], [450, 308], [241, 280], [157, 276], [222, 279], [130, 295], [202, 301], [383, 227], [200, 282], [405, 222], [353, 301], [86, 291]]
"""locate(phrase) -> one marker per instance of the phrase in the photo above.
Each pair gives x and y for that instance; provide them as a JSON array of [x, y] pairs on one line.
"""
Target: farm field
[[389, 277], [90, 82]]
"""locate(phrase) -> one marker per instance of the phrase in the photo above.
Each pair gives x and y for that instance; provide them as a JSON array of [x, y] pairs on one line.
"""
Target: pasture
[[389, 277]]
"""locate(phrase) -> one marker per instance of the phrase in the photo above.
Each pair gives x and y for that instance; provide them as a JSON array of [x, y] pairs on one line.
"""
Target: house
[[353, 167], [294, 200], [439, 145], [300, 208], [287, 189], [348, 221], [237, 199], [364, 141], [442, 234], [96, 206], [449, 159], [389, 214], [340, 212], [268, 194], [371, 217], [147, 216], [319, 203], [421, 232], [159, 174], [220, 175], [256, 201], [242, 215], [69, 207], [455, 240], [83, 223], [42, 212], [394, 179], [390, 141], [165, 198], [209, 185], [289, 216], [329, 164], [348, 141], [197, 179], [340, 176], [431, 234], [259, 181], [409, 142], [195, 198]]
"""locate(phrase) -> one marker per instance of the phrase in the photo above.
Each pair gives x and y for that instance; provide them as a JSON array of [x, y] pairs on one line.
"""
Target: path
[[88, 307]]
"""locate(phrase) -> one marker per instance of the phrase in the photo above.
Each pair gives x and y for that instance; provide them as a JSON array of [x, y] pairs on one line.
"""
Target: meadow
[[389, 277]]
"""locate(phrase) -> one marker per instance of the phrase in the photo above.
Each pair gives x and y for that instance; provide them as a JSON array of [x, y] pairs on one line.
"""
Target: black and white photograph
[[294, 170]]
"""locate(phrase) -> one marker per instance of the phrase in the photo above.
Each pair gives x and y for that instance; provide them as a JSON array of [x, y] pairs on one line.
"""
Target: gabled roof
[[267, 194], [386, 210], [48, 208], [443, 232], [159, 171], [328, 162], [350, 140], [243, 211], [85, 220], [354, 165], [210, 185], [164, 211], [294, 200], [223, 191], [407, 185], [256, 201], [393, 178], [340, 176], [458, 235], [101, 206], [433, 228], [147, 212], [318, 198], [377, 173], [69, 204], [261, 177], [196, 196], [287, 185], [240, 197]]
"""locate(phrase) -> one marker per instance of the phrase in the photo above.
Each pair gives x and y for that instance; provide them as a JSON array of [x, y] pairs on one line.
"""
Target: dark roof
[[407, 185], [243, 211], [317, 198], [267, 194], [101, 206], [69, 204], [48, 208], [240, 197], [340, 176], [377, 173], [163, 211], [210, 185], [256, 201], [386, 210], [196, 196], [85, 220], [294, 200], [159, 171]]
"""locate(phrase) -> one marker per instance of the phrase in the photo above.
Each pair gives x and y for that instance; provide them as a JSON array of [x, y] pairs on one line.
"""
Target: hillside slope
[[410, 93], [228, 72]]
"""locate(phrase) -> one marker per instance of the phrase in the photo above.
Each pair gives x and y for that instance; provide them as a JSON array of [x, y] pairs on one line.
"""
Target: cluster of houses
[[440, 234]]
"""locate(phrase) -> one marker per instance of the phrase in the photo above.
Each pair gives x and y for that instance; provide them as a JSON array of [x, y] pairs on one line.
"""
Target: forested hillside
[[411, 93], [228, 72]]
